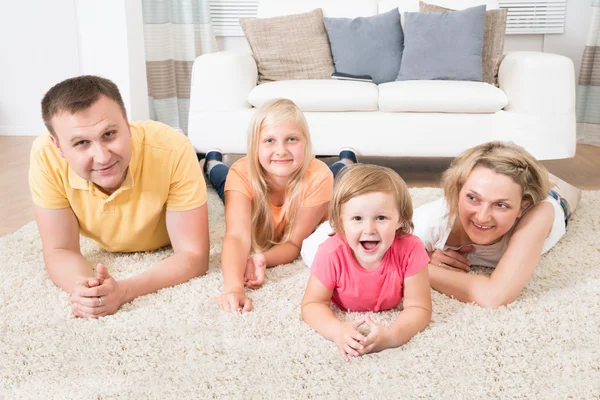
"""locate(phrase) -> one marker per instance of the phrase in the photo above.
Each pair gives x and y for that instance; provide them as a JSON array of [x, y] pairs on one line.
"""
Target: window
[[524, 16], [535, 16], [225, 15]]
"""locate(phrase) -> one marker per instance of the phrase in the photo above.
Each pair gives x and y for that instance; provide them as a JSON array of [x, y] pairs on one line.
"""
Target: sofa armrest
[[221, 81], [538, 83]]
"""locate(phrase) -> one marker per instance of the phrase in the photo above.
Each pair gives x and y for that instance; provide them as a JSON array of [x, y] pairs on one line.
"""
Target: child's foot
[[348, 156]]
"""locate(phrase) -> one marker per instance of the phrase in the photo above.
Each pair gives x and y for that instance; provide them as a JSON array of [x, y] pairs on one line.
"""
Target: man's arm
[[59, 231], [188, 231]]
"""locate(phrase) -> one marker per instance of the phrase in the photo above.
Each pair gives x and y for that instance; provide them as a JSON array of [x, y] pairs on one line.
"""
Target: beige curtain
[[175, 33], [588, 87]]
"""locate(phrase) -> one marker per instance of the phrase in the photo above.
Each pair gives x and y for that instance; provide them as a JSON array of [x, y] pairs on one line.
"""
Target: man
[[128, 186]]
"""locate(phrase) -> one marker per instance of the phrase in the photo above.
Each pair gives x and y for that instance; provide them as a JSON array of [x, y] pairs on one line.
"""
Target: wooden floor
[[16, 207]]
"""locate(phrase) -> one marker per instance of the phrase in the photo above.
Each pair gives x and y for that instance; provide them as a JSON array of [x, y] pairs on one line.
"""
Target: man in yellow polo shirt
[[128, 186]]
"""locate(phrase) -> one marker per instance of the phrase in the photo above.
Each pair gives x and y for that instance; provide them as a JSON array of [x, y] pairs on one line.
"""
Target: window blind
[[524, 16], [534, 16]]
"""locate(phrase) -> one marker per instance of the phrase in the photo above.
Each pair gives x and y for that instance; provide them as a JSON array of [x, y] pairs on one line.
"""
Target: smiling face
[[488, 206], [281, 149], [370, 222], [96, 142]]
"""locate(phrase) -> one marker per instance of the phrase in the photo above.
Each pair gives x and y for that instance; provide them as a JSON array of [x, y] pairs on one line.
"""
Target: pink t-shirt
[[357, 289]]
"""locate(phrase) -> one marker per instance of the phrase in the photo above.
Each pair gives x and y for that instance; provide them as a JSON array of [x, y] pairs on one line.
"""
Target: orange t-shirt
[[317, 187]]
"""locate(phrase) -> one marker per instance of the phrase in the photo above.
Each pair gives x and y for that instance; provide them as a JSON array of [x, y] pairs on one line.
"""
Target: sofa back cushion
[[319, 95], [441, 97], [331, 8], [289, 47], [367, 45]]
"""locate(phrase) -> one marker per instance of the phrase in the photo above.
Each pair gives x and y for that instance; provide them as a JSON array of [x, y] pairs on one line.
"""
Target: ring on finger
[[99, 301], [441, 265]]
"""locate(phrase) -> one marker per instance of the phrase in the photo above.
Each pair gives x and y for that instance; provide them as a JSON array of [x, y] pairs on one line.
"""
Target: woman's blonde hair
[[359, 179], [503, 158], [268, 115]]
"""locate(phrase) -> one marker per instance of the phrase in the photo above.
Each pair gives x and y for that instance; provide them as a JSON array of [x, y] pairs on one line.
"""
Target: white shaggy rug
[[177, 344]]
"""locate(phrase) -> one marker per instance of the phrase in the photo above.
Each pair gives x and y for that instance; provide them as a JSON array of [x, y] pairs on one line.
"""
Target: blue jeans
[[218, 176]]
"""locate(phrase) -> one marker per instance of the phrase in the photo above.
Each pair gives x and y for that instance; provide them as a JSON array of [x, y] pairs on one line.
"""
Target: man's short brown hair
[[77, 94]]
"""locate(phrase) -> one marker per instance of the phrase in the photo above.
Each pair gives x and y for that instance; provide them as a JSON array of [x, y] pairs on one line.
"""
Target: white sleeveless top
[[433, 228]]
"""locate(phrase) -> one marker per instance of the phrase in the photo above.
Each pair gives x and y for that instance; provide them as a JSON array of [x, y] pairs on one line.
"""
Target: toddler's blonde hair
[[359, 179]]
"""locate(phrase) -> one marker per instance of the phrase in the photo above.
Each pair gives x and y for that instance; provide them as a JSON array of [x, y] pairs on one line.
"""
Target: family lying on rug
[[138, 187]]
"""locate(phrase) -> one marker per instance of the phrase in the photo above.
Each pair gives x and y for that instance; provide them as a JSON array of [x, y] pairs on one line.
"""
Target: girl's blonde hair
[[359, 179], [268, 115], [502, 158]]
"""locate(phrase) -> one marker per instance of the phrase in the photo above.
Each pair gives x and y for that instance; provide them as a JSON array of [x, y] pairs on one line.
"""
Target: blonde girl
[[274, 198], [371, 263], [501, 209]]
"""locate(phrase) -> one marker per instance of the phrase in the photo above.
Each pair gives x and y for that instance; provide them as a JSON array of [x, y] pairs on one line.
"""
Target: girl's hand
[[377, 337], [234, 301], [452, 260], [256, 266], [349, 340]]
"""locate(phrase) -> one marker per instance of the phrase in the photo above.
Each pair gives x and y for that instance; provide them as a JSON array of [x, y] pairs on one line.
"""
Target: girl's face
[[281, 149], [488, 206], [370, 222]]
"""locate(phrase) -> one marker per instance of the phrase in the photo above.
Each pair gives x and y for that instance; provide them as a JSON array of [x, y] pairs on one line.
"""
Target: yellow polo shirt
[[163, 175]]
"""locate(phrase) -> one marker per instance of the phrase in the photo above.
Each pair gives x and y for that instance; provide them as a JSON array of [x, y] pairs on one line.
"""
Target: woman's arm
[[307, 220], [234, 254], [512, 272], [414, 317], [317, 313]]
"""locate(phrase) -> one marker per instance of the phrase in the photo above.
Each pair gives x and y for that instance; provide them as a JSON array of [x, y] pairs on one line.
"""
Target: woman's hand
[[254, 276], [452, 260]]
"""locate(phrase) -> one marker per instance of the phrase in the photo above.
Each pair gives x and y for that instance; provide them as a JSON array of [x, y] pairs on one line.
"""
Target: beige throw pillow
[[290, 47], [493, 40]]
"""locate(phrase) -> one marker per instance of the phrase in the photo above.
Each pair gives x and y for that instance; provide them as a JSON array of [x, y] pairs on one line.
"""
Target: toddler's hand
[[349, 340], [375, 340], [256, 266]]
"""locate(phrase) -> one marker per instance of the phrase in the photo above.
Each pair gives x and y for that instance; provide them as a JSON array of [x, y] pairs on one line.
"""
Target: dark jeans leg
[[336, 167], [217, 177]]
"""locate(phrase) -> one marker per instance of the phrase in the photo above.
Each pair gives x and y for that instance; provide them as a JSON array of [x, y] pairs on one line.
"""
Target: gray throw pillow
[[367, 45], [441, 45]]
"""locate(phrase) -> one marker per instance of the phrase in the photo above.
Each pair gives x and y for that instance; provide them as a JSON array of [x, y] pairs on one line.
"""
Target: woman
[[500, 210]]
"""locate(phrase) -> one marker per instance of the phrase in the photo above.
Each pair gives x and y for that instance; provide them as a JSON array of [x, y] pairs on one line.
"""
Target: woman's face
[[488, 205]]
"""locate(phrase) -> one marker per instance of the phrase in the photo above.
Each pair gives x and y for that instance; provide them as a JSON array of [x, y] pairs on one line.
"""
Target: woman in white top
[[499, 210]]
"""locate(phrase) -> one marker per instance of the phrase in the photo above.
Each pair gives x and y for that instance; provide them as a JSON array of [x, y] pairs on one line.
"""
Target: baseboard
[[21, 130]]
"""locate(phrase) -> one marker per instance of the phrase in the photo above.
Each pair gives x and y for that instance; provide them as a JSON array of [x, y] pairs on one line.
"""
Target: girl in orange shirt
[[274, 198]]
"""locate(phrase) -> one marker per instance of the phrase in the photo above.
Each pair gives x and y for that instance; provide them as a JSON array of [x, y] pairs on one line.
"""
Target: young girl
[[499, 210], [274, 198], [371, 263]]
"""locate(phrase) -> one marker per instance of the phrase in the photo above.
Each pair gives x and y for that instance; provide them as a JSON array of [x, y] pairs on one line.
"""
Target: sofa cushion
[[493, 40], [289, 47], [367, 45], [441, 96], [443, 45], [319, 95]]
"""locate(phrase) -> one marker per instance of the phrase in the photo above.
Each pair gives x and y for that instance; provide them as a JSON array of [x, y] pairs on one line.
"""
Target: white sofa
[[534, 105]]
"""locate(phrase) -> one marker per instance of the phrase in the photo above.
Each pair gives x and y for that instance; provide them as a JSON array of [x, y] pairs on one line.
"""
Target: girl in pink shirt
[[371, 263]]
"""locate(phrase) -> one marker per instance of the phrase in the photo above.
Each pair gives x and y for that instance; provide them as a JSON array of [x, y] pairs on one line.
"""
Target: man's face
[[96, 143]]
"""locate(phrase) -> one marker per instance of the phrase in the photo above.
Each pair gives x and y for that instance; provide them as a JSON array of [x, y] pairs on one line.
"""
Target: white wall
[[45, 42]]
